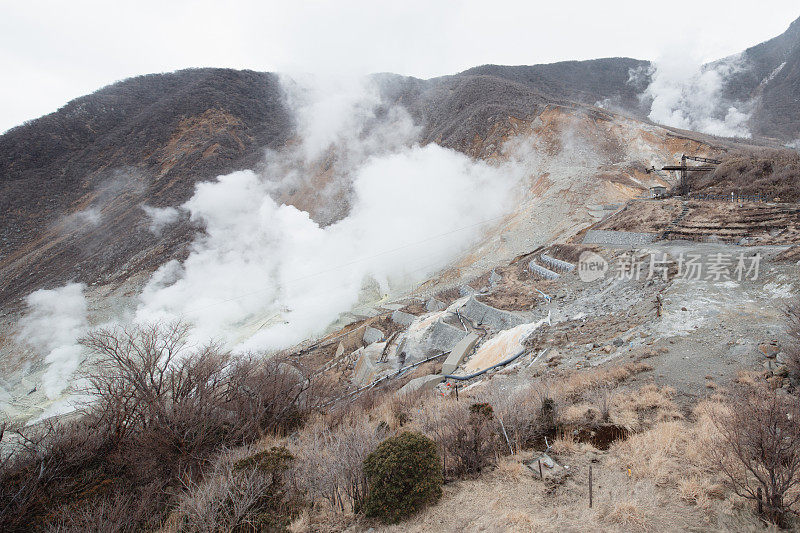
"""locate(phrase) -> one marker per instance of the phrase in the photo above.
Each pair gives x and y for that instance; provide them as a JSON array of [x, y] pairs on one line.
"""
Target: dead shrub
[[245, 494], [178, 407], [118, 511], [759, 450], [330, 461], [155, 412], [467, 435], [793, 348], [527, 414], [48, 459], [401, 406]]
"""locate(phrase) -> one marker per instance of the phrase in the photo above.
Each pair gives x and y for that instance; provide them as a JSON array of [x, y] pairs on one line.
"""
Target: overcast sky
[[53, 51]]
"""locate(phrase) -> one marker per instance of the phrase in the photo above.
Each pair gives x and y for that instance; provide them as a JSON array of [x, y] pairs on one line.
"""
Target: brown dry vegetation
[[771, 173], [792, 254], [644, 216], [662, 477], [189, 455], [158, 415]]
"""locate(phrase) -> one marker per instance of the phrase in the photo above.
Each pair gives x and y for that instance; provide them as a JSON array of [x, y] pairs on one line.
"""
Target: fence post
[[759, 503]]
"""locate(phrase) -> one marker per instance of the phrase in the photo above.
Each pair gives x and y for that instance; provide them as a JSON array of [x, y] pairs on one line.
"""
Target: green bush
[[403, 475]]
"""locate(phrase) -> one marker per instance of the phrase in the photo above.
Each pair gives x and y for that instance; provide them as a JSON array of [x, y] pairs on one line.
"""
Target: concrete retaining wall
[[402, 318], [496, 319], [539, 270], [434, 305], [367, 367], [458, 353], [372, 335], [443, 337], [421, 384], [557, 264], [438, 338]]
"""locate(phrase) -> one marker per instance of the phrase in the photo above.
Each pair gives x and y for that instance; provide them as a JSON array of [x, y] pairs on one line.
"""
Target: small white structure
[[659, 191]]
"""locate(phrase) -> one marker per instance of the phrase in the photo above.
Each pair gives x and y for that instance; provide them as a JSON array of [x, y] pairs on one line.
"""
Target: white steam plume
[[413, 212], [261, 263], [83, 220], [160, 217], [55, 321], [686, 95]]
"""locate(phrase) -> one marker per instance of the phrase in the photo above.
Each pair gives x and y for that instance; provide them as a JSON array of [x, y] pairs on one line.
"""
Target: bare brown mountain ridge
[[156, 136]]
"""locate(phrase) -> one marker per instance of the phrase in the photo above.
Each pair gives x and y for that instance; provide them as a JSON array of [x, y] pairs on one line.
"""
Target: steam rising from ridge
[[55, 320], [266, 274], [686, 95]]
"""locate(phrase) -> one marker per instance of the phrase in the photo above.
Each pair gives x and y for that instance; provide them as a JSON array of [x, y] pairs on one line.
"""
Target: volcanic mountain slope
[[70, 182], [74, 182], [769, 76], [576, 165], [147, 139], [607, 81], [763, 80], [74, 185]]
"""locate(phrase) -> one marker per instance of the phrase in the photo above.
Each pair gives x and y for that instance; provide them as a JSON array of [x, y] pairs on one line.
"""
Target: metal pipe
[[388, 376], [485, 370]]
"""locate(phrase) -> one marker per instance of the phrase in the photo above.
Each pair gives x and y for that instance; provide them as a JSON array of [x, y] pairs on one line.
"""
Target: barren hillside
[[227, 297]]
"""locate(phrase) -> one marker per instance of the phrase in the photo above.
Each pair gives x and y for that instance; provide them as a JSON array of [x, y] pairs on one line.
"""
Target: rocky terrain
[[474, 234]]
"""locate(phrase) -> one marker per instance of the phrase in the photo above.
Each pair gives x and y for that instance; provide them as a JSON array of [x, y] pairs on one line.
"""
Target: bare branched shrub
[[156, 411], [330, 461], [793, 348], [243, 493], [48, 460], [526, 412], [759, 452], [117, 512], [467, 435], [178, 406], [402, 406], [602, 400]]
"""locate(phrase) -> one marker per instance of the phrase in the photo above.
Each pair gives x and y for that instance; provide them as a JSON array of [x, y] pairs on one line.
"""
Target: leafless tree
[[146, 387], [792, 349], [331, 461], [526, 412], [759, 452], [45, 456], [127, 375], [467, 435], [156, 410]]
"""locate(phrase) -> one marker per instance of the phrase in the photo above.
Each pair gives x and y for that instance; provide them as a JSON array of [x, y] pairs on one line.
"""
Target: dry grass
[[565, 445], [630, 508], [700, 491], [673, 454], [633, 410], [579, 382], [772, 173], [658, 478]]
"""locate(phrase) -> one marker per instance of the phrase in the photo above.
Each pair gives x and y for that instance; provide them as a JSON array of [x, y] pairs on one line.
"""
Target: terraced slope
[[764, 223]]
